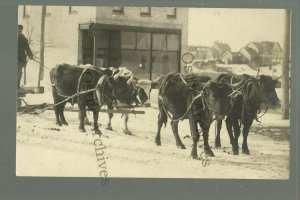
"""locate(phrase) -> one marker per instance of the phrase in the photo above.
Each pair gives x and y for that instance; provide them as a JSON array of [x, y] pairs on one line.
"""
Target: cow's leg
[[233, 142], [96, 116], [218, 139], [61, 114], [162, 119], [174, 125], [126, 130], [82, 115], [207, 148], [56, 108], [246, 128], [237, 131], [110, 116], [195, 137]]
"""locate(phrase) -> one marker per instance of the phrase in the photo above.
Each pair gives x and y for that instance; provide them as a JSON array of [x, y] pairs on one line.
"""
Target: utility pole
[[42, 45], [285, 85]]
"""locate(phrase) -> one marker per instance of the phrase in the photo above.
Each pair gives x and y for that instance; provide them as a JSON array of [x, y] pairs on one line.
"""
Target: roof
[[266, 47], [251, 52], [222, 46]]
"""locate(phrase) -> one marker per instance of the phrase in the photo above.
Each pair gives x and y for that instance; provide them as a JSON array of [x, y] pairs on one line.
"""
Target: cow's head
[[120, 88], [217, 96], [139, 95], [268, 87]]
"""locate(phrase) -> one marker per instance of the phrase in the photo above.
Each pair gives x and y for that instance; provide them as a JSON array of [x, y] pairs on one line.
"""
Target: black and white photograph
[[153, 92]]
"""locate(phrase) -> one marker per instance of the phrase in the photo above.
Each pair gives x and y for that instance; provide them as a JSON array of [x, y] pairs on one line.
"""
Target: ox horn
[[235, 85], [127, 75], [118, 74]]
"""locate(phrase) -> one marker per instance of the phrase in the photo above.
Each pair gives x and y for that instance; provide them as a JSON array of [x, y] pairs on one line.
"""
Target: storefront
[[146, 51]]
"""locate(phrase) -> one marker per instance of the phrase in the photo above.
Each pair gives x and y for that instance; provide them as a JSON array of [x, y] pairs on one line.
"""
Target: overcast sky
[[237, 27]]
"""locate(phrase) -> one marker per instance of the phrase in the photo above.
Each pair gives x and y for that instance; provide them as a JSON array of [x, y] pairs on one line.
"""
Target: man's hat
[[20, 26]]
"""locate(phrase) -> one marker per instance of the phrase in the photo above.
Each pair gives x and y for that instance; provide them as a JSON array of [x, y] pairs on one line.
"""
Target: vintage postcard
[[153, 92]]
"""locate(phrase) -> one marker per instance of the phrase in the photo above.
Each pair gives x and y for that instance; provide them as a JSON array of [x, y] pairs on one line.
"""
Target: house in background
[[250, 56], [233, 58], [203, 52], [220, 49], [268, 53]]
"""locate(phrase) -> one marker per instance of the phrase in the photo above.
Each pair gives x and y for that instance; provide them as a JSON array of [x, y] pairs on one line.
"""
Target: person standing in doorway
[[23, 51]]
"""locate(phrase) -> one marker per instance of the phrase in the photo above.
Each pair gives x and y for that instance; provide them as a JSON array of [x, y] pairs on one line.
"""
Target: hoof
[[127, 132], [65, 123], [217, 145], [194, 156], [180, 146], [109, 128], [247, 152], [82, 130], [98, 132], [58, 124], [235, 152], [157, 142], [209, 153]]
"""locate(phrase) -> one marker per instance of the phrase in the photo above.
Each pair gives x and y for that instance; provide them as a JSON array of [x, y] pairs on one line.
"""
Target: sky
[[236, 27]]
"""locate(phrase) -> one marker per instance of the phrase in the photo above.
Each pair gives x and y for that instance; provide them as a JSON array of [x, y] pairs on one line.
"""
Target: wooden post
[[285, 104], [42, 45]]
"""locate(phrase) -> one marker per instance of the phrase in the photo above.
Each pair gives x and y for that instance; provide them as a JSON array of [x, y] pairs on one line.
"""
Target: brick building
[[147, 40]]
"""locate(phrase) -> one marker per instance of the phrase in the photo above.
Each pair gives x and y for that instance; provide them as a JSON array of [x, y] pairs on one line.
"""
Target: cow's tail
[[162, 115]]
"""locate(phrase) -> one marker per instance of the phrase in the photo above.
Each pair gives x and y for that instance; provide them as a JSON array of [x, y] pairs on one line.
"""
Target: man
[[23, 51]]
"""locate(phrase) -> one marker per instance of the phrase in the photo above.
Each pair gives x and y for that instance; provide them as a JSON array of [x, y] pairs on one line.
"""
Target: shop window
[[143, 41], [173, 42], [159, 41], [128, 40]]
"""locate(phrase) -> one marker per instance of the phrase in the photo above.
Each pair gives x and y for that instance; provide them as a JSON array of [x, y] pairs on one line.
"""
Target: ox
[[68, 80], [195, 101], [245, 106]]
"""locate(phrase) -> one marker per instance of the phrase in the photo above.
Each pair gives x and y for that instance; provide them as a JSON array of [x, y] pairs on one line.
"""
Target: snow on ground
[[43, 149]]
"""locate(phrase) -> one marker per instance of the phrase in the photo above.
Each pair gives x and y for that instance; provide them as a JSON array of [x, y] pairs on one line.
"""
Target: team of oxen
[[198, 98]]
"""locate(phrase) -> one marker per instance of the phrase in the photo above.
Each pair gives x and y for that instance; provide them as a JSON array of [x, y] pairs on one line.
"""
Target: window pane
[[128, 40], [159, 42], [102, 39], [173, 42], [143, 40], [164, 62], [114, 40], [133, 59]]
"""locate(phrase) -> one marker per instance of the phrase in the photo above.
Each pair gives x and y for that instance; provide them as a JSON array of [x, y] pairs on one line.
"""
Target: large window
[[173, 42], [143, 40], [159, 41], [128, 40]]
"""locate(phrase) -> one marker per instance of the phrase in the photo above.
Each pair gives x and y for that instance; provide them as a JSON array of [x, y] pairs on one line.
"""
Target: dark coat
[[23, 48]]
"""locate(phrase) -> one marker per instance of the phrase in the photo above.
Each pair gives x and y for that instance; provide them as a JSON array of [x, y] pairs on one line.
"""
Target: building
[[220, 48], [147, 40], [268, 53], [203, 52], [233, 58], [250, 56]]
